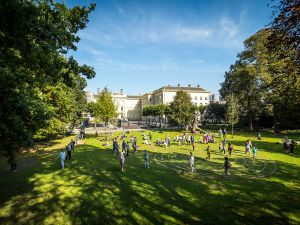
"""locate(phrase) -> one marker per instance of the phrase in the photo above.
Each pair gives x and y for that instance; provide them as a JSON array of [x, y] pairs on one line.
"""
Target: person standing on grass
[[193, 142], [254, 150], [248, 146], [224, 132], [134, 146], [188, 140], [208, 152], [146, 159], [192, 162], [122, 160], [230, 148], [227, 166], [127, 147], [150, 136], [115, 146], [69, 151], [123, 146], [224, 146], [73, 145], [220, 134], [62, 157]]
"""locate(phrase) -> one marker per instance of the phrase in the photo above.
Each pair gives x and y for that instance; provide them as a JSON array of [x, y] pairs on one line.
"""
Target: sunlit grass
[[92, 189]]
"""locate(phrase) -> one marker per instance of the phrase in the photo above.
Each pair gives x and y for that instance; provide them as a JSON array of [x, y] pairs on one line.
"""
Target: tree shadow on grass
[[92, 190]]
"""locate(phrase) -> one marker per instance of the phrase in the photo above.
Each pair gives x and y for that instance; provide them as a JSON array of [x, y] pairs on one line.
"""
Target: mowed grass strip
[[92, 189]]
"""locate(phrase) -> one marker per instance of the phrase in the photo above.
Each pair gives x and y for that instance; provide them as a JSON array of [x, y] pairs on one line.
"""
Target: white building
[[130, 107]]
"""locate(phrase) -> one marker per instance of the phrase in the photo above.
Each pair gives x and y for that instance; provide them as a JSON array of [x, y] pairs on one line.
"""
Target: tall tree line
[[265, 77]]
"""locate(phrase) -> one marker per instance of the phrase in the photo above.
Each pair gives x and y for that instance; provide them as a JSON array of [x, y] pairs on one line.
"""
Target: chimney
[[198, 85], [189, 85], [121, 91], [178, 85]]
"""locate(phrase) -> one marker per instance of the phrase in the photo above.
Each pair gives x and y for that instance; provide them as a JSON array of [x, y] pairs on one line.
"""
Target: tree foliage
[[181, 109], [232, 110], [214, 112], [266, 84], [285, 30], [105, 108], [40, 88]]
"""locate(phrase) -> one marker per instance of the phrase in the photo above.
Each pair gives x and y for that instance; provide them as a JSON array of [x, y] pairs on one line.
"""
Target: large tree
[[232, 111], [242, 80], [105, 108], [181, 109], [285, 30], [36, 75]]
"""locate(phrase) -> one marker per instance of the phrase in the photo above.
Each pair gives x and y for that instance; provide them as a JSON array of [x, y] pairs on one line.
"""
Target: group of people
[[185, 139], [250, 147], [288, 145], [66, 154]]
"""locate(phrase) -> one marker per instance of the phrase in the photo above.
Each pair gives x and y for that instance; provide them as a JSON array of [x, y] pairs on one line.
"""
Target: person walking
[[62, 156], [72, 145], [227, 166], [193, 142], [230, 148], [192, 162], [122, 161], [208, 152], [146, 159], [69, 151]]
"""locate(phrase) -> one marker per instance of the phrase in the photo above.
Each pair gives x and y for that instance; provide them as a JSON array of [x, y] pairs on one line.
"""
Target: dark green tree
[[105, 108], [181, 109], [35, 73]]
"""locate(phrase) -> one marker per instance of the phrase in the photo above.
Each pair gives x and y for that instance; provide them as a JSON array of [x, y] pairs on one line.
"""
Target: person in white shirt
[[192, 162], [62, 157], [122, 161]]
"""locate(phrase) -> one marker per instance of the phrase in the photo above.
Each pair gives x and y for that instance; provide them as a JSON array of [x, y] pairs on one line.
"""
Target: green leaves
[[181, 109], [41, 90], [105, 108]]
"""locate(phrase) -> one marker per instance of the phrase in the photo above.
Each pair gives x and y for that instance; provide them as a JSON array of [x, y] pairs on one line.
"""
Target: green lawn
[[93, 190]]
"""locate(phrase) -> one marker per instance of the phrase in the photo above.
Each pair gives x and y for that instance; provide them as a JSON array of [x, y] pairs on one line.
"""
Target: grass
[[92, 190]]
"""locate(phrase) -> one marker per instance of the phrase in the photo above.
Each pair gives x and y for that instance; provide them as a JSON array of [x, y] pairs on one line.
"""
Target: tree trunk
[[250, 120], [232, 130]]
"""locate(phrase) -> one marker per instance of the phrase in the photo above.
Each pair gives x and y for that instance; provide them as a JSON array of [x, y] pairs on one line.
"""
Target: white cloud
[[191, 34], [222, 32], [228, 27]]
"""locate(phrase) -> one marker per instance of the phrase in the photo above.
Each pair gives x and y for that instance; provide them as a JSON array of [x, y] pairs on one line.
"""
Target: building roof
[[177, 88], [134, 96]]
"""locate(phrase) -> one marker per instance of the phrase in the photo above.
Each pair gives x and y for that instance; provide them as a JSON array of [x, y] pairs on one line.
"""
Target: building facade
[[130, 107]]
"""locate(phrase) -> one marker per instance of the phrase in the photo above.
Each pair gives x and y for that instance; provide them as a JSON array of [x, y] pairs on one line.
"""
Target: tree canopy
[[105, 108], [41, 89], [181, 109]]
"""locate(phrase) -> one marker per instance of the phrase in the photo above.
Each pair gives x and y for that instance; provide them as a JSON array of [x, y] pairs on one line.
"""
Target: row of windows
[[200, 98]]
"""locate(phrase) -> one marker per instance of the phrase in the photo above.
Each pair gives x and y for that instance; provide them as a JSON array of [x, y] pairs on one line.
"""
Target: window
[[205, 98], [200, 98], [196, 98]]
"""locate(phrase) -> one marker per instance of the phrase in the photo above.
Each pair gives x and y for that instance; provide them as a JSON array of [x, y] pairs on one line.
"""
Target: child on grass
[[122, 161], [192, 162], [62, 157], [208, 152], [227, 166], [230, 148], [146, 159]]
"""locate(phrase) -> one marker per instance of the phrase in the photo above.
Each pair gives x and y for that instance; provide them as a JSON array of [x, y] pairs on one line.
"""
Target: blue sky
[[139, 46]]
